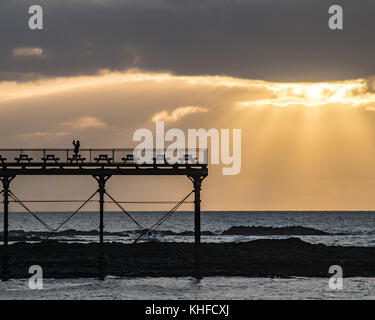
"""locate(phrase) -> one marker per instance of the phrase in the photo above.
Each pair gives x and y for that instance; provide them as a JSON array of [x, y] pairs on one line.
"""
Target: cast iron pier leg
[[101, 182], [6, 182], [101, 205], [197, 181]]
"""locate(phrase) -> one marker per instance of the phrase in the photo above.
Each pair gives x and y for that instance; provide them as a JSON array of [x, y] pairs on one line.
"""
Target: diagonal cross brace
[[15, 198], [158, 223], [71, 216]]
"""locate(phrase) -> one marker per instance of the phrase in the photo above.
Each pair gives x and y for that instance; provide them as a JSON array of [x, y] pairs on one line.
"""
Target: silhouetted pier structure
[[101, 164]]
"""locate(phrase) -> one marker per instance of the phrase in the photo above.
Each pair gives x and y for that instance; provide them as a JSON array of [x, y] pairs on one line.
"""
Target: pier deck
[[101, 164]]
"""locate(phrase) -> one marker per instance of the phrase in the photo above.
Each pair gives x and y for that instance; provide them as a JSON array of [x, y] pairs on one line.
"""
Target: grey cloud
[[268, 39]]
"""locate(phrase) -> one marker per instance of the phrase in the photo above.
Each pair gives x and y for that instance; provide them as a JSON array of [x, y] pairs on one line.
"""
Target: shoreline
[[281, 258], [36, 236]]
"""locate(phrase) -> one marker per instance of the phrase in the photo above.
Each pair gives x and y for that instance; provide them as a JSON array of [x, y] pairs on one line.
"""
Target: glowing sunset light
[[354, 93]]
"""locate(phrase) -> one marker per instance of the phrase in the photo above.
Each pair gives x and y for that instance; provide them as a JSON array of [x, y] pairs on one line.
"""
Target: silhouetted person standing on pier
[[76, 145]]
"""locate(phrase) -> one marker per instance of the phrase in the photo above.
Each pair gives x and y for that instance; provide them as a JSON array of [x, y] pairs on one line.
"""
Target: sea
[[348, 228]]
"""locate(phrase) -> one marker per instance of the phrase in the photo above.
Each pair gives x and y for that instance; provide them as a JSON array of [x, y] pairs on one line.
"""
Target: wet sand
[[260, 258]]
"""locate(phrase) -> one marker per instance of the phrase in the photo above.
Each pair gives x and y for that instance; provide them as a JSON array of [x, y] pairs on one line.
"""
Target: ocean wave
[[20, 235]]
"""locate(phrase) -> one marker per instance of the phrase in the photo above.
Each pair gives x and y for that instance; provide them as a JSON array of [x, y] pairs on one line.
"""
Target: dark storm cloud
[[267, 39]]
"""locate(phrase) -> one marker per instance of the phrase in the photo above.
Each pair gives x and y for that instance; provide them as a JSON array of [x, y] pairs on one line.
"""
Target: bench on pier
[[50, 157], [103, 158], [2, 159], [23, 158], [76, 158], [160, 158], [188, 159], [129, 157]]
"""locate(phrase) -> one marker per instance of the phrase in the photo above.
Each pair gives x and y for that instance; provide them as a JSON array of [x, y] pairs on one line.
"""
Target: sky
[[303, 95]]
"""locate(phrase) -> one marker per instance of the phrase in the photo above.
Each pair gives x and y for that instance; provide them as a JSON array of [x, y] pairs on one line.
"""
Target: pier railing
[[114, 156]]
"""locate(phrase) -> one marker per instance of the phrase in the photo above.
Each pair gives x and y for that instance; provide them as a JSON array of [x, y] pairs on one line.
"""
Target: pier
[[101, 164]]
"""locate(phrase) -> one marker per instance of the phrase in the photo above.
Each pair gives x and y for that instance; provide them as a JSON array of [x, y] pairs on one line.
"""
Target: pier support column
[[6, 182], [102, 179], [197, 182]]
